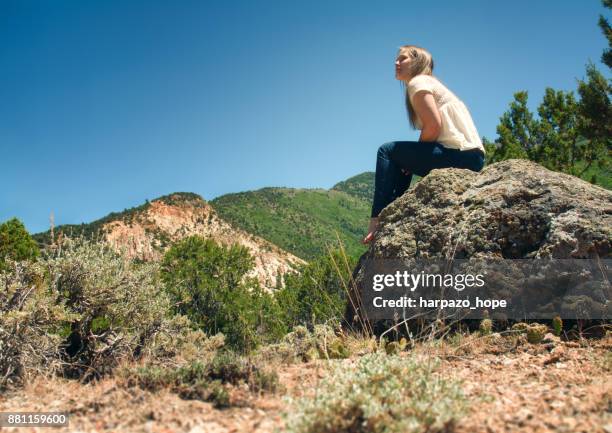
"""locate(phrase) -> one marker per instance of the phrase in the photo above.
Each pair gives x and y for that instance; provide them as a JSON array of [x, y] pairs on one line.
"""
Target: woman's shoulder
[[422, 79], [433, 85], [424, 82]]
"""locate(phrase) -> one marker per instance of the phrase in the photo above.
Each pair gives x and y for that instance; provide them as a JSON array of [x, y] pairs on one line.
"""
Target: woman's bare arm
[[425, 107]]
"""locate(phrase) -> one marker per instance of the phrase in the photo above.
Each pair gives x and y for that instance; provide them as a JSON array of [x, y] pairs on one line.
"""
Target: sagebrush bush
[[302, 345], [180, 343], [30, 318], [380, 394], [120, 305], [202, 380], [83, 307]]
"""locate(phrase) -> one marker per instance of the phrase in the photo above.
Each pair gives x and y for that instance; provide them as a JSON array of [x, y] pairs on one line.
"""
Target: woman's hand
[[425, 108]]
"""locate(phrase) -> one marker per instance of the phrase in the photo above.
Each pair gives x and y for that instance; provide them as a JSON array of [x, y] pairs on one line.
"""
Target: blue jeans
[[415, 157]]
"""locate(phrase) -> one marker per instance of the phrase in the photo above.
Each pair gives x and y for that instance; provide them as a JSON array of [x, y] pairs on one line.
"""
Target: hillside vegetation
[[146, 232], [361, 186], [301, 221]]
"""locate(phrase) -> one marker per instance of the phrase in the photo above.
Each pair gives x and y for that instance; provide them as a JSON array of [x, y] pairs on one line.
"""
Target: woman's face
[[402, 66]]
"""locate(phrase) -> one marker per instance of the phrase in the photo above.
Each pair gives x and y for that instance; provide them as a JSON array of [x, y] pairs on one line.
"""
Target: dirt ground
[[556, 386]]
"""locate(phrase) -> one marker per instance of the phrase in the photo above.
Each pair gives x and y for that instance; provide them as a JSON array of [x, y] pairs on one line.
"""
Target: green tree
[[606, 57], [516, 131], [317, 292], [569, 135], [207, 282], [595, 118], [16, 243], [560, 146]]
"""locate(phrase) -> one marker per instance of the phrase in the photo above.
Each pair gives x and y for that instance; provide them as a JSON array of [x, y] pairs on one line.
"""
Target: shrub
[[182, 344], [520, 327], [86, 308], [228, 367], [536, 333], [30, 325], [189, 382], [302, 345], [202, 380], [486, 326], [16, 244], [207, 283], [316, 293], [380, 394], [395, 347], [120, 305]]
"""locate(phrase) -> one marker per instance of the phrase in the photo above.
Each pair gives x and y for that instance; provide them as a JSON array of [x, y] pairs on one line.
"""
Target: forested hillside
[[301, 221]]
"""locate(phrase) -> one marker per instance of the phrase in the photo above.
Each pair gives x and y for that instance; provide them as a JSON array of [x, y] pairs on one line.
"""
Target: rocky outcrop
[[148, 233], [515, 209], [512, 209]]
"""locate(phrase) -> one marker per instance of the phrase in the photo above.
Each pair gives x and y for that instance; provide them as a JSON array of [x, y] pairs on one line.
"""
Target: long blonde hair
[[422, 64]]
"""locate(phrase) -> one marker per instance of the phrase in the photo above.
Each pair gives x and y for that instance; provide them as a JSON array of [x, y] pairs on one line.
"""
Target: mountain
[[305, 221], [147, 231], [296, 223], [361, 186], [302, 221]]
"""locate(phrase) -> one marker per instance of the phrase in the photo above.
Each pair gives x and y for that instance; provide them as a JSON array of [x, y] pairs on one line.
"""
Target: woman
[[448, 135]]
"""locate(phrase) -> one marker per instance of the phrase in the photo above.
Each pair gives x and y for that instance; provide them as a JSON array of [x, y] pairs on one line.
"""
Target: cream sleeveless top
[[458, 130]]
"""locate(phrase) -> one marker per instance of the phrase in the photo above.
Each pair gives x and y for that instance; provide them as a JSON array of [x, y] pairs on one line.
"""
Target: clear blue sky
[[106, 103]]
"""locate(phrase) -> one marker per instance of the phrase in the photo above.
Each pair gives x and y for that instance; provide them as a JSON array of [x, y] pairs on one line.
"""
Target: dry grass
[[510, 385]]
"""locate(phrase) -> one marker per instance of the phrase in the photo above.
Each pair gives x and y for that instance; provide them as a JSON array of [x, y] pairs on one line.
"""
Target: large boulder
[[515, 209]]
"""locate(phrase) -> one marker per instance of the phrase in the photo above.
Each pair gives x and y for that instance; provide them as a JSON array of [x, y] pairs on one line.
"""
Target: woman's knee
[[478, 164], [386, 149]]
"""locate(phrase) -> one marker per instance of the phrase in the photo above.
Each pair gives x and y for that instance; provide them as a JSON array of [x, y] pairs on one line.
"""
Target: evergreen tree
[[317, 293], [516, 131], [16, 243], [595, 118], [207, 283], [606, 57], [560, 147], [569, 135]]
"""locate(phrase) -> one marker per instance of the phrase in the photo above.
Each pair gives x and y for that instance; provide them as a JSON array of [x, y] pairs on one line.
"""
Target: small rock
[[548, 346], [523, 415], [559, 350], [550, 338], [557, 404], [571, 422], [555, 356]]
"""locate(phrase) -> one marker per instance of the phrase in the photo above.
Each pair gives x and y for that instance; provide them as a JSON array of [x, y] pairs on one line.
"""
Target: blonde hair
[[422, 64]]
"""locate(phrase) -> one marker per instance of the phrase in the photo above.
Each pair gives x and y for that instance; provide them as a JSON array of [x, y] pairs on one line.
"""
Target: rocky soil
[[511, 387]]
